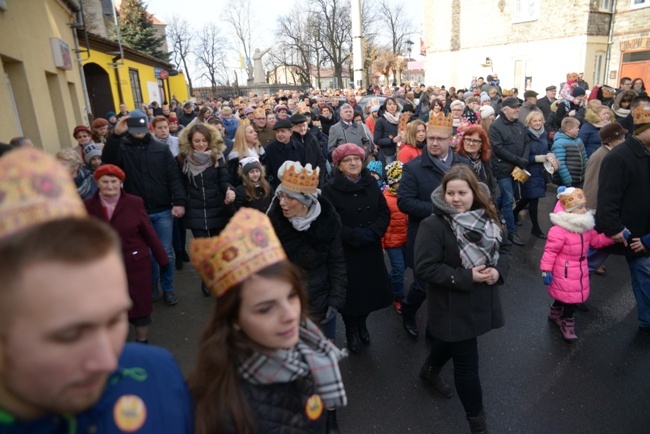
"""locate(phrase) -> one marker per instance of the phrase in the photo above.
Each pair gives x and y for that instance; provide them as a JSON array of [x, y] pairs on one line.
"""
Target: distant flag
[[241, 61]]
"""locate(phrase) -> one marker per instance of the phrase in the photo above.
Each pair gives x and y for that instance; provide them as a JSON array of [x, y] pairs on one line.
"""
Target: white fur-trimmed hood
[[576, 223]]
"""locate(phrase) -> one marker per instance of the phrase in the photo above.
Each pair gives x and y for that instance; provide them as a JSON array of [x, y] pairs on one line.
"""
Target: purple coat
[[137, 234]]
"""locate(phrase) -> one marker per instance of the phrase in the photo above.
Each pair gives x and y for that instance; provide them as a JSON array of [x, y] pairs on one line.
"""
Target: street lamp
[[409, 47]]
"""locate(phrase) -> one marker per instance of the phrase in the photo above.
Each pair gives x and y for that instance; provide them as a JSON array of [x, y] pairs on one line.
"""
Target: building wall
[[48, 100], [542, 45], [630, 24]]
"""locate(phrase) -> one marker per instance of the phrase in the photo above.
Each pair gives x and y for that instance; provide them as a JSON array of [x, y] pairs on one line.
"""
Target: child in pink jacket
[[564, 262]]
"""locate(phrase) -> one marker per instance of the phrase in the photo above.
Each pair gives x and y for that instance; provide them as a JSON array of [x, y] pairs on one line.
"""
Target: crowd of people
[[303, 206]]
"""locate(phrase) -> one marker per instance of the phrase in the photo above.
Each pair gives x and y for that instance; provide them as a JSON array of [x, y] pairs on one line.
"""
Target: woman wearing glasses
[[310, 232], [365, 217], [475, 145]]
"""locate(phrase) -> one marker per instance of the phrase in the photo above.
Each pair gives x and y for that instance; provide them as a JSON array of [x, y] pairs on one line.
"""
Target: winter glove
[[330, 315], [547, 276], [626, 233], [367, 236]]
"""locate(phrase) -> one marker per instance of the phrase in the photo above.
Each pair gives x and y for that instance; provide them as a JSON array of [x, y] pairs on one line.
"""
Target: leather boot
[[332, 426], [364, 335], [431, 375], [478, 424], [568, 330], [555, 315]]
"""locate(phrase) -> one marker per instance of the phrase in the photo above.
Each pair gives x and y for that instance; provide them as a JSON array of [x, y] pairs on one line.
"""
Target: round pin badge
[[314, 407], [130, 413]]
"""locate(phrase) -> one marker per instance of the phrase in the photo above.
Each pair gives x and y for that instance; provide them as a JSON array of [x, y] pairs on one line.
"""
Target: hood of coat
[[576, 223], [593, 118]]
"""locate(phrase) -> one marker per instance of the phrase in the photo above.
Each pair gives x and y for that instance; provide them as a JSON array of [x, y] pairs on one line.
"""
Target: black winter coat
[[365, 217], [510, 146], [206, 193], [383, 137], [623, 197], [151, 170], [277, 153], [420, 177], [458, 308], [260, 202], [313, 154], [280, 407], [319, 253], [535, 187]]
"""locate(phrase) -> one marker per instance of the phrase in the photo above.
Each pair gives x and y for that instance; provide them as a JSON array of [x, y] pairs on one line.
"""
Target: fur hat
[[111, 170], [611, 132]]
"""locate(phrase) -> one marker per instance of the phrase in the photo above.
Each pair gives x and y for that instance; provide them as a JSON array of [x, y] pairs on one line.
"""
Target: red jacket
[[408, 152], [395, 235]]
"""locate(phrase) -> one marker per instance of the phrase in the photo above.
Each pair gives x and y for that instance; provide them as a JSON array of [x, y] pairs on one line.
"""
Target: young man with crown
[[63, 318], [420, 177], [623, 204]]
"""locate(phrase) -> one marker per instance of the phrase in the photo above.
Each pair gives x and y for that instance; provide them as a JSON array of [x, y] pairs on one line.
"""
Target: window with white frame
[[599, 69], [606, 5], [525, 10], [639, 3]]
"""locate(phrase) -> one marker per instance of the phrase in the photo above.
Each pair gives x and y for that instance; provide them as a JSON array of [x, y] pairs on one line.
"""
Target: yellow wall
[[49, 100], [146, 74]]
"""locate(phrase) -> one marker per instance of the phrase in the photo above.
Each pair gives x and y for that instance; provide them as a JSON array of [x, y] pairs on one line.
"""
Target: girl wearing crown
[[263, 366], [564, 262], [310, 232]]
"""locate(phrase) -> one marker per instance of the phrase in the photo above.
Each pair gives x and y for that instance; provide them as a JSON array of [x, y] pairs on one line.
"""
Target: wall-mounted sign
[[157, 71], [61, 53], [635, 44], [164, 75]]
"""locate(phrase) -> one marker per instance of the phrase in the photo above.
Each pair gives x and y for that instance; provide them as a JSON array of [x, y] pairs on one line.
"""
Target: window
[[134, 77], [599, 69], [638, 56], [525, 10], [606, 5], [639, 4]]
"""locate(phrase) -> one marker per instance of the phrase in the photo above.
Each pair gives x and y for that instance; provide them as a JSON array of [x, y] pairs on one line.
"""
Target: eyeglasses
[[285, 197], [473, 141], [350, 159], [438, 139], [456, 110], [260, 119]]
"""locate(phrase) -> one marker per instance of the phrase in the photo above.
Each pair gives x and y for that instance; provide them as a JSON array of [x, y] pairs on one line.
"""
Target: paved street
[[533, 382]]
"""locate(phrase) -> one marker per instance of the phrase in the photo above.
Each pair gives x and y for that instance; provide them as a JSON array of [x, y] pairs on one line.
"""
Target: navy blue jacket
[[277, 153], [535, 187]]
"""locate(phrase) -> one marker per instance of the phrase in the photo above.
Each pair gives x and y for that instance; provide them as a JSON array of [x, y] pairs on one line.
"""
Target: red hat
[[343, 151], [99, 122], [111, 170], [80, 128]]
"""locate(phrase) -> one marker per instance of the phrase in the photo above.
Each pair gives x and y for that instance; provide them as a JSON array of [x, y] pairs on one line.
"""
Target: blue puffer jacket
[[535, 187], [231, 127], [572, 157], [589, 132], [147, 390]]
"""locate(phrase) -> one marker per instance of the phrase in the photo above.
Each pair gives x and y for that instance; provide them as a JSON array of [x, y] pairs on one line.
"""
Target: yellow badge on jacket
[[130, 413], [314, 407]]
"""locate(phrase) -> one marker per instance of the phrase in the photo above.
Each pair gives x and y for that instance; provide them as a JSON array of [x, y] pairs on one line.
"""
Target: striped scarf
[[478, 238]]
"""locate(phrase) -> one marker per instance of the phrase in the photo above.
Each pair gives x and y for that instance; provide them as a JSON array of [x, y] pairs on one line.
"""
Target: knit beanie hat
[[578, 91], [91, 150], [486, 111], [394, 172], [249, 163], [375, 166], [484, 97]]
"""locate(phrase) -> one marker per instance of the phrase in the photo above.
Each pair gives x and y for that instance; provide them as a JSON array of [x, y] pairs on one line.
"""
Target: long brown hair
[[214, 137], [249, 187], [486, 147], [482, 199], [411, 131], [215, 381]]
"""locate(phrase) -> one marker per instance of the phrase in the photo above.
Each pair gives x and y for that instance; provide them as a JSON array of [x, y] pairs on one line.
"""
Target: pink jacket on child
[[565, 254]]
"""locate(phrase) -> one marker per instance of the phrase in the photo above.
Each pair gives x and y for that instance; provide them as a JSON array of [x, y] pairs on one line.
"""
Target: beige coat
[[591, 176]]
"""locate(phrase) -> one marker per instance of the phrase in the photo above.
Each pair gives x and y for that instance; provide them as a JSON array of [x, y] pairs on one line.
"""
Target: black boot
[[409, 324], [332, 426], [179, 260], [431, 375], [478, 424], [364, 335]]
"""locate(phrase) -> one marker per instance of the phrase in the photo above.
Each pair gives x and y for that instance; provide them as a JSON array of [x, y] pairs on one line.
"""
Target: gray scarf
[[313, 356], [537, 133], [303, 223]]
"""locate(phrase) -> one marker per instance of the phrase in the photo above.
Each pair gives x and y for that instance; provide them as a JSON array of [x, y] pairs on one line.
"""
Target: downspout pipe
[[610, 38]]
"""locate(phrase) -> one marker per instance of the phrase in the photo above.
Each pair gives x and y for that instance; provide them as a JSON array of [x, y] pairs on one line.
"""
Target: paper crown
[[571, 198], [507, 92], [641, 115], [247, 245], [441, 124], [299, 179], [35, 188], [404, 119]]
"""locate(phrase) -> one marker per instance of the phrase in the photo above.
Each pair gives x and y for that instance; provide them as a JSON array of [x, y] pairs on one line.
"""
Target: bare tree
[[294, 30], [181, 38], [397, 24], [211, 55], [335, 38], [239, 15]]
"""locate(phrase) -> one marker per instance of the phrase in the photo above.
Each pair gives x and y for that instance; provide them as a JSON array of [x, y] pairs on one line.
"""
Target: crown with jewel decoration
[[641, 115], [441, 124], [298, 179], [247, 245]]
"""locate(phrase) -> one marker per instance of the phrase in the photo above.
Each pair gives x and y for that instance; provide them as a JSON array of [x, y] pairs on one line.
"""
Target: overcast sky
[[200, 12]]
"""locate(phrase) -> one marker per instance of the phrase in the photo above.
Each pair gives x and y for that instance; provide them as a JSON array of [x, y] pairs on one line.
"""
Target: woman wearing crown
[[263, 366], [365, 217]]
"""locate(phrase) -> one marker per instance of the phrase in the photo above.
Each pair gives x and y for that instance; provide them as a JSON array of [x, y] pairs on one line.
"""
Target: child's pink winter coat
[[565, 254]]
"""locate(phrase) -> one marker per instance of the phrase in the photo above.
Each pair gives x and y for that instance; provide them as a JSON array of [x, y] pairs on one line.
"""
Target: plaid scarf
[[313, 355], [478, 238]]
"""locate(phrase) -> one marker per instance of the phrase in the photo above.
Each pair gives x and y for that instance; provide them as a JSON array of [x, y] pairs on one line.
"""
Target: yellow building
[[41, 91], [133, 80]]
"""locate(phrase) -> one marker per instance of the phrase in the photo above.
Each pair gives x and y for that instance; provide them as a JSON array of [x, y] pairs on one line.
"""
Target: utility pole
[[357, 54]]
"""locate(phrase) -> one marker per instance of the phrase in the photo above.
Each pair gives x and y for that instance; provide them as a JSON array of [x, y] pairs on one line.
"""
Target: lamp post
[[409, 47]]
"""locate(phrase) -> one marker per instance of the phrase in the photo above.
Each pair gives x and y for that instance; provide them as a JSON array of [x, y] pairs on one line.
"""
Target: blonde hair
[[532, 115], [569, 122], [240, 146], [69, 155]]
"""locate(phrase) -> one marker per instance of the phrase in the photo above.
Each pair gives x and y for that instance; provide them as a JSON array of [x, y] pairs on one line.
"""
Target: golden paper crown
[[404, 119], [507, 92], [641, 115], [299, 179], [247, 245], [441, 123], [35, 188], [571, 198]]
